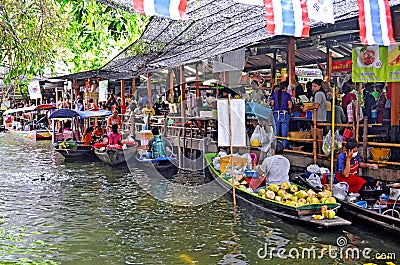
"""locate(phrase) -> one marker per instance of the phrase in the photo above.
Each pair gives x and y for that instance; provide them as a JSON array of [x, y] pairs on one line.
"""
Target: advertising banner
[[103, 90], [369, 64], [393, 60]]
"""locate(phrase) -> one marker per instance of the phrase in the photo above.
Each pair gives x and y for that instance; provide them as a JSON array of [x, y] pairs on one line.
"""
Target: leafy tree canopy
[[38, 36]]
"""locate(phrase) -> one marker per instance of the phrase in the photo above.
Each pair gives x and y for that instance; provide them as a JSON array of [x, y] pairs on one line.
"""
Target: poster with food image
[[393, 63], [369, 64]]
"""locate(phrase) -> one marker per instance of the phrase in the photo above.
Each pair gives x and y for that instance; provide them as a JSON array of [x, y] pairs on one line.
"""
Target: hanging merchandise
[[327, 143], [350, 112], [255, 139]]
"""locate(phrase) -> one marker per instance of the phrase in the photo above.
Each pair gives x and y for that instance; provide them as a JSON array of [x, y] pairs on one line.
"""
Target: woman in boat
[[114, 119], [114, 137], [98, 132], [347, 166], [87, 136]]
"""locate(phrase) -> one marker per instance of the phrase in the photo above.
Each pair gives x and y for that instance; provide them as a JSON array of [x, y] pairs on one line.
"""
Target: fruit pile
[[291, 195]]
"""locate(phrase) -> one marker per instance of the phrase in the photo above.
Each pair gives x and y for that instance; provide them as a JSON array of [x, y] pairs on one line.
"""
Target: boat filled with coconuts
[[289, 201]]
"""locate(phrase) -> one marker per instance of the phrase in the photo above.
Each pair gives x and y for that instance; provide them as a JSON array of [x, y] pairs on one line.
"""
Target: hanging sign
[[341, 66], [103, 90], [34, 89], [393, 61], [369, 64], [238, 126]]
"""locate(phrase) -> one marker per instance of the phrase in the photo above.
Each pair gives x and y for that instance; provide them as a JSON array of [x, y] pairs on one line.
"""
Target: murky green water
[[53, 212]]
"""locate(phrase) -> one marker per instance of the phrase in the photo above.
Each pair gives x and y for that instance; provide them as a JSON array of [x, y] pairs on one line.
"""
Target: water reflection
[[94, 214]]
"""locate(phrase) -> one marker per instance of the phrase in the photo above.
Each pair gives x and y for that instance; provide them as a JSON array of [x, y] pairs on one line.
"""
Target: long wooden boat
[[74, 150], [113, 154], [300, 214], [42, 133], [355, 212]]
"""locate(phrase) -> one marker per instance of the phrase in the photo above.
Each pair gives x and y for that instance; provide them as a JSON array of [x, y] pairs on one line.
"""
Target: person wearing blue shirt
[[281, 103], [347, 166]]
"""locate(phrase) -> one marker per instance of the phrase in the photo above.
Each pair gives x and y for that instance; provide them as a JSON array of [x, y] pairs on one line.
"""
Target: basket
[[379, 154], [237, 161], [300, 135], [258, 110]]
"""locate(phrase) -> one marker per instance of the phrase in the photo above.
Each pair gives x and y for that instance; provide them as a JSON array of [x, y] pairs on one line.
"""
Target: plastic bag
[[256, 137], [340, 190], [327, 143], [350, 112]]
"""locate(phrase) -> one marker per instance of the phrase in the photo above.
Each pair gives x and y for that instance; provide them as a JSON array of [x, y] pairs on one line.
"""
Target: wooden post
[[171, 85], [183, 92], [76, 87], [315, 143], [273, 72], [395, 111], [333, 139], [231, 153], [329, 65], [197, 83], [365, 139], [358, 110], [133, 90], [133, 124], [291, 60], [149, 91]]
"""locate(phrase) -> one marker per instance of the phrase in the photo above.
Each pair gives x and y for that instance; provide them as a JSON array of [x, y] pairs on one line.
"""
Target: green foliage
[[97, 33], [41, 35], [31, 32]]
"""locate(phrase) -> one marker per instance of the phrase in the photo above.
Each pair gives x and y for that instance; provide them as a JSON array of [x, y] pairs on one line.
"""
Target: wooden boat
[[300, 214], [68, 143], [113, 154], [39, 133], [355, 212], [166, 166]]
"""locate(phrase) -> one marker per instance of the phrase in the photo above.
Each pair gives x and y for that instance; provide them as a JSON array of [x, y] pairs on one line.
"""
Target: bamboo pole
[[365, 139], [231, 148], [358, 110], [333, 138], [315, 147], [149, 91]]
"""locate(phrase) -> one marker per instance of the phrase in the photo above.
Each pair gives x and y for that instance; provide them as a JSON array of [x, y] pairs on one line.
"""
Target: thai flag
[[375, 22], [287, 17], [174, 9]]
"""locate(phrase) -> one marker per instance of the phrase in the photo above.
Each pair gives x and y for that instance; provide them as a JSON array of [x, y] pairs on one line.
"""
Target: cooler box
[[145, 136]]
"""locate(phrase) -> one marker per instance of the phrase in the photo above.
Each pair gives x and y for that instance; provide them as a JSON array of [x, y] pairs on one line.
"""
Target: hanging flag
[[251, 2], [174, 9], [321, 11], [375, 22], [287, 17]]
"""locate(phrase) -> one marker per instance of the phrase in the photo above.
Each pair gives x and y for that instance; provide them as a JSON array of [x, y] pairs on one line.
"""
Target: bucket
[[379, 154]]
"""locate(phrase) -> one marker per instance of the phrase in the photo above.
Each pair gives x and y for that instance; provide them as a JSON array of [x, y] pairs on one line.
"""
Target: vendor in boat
[[87, 138], [114, 119], [347, 166], [114, 137], [275, 168], [153, 151], [99, 131]]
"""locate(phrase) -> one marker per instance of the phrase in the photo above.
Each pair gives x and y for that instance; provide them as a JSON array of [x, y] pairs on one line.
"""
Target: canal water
[[57, 212]]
